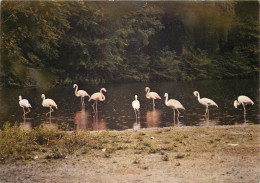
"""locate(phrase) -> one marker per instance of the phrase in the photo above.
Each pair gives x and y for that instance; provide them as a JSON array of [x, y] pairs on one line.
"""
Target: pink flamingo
[[152, 95], [80, 93], [24, 103], [98, 96], [48, 103]]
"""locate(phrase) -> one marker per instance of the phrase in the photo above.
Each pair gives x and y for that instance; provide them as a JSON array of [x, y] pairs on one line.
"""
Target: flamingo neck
[[166, 100], [76, 90], [102, 97], [198, 96], [148, 91]]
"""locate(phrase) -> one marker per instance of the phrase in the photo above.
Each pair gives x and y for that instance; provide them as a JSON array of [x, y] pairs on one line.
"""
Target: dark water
[[116, 112]]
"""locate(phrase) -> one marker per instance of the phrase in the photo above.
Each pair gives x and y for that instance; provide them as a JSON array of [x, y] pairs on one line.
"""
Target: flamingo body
[[152, 95], [136, 107], [205, 101], [24, 103], [48, 103], [136, 104], [99, 96], [244, 100], [80, 93], [174, 104]]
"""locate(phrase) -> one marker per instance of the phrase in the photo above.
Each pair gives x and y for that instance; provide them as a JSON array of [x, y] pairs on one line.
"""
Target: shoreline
[[172, 127]]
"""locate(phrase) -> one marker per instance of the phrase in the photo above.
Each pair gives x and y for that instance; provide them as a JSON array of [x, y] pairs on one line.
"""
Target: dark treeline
[[58, 43]]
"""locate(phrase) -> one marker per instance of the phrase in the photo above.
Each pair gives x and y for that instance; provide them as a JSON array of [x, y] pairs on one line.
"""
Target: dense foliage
[[56, 43]]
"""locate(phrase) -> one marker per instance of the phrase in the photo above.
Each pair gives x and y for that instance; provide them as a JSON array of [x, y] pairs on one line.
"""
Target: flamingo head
[[236, 103], [147, 88], [20, 97], [166, 95], [43, 96], [196, 93], [75, 85], [135, 97], [103, 89]]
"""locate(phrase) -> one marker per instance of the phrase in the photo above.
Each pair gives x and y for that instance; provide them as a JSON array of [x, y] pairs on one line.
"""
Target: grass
[[52, 143]]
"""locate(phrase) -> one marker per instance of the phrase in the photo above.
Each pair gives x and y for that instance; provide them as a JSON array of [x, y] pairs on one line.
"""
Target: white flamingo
[[205, 101], [244, 100], [80, 93], [152, 95], [97, 96], [24, 103], [174, 104], [136, 106], [48, 103]]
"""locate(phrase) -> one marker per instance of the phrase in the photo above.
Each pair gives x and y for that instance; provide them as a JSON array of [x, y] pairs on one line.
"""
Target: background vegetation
[[59, 43]]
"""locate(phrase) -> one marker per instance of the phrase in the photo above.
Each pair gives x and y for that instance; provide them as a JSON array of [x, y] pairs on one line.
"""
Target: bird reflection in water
[[137, 126], [81, 119], [25, 125], [153, 118], [98, 124]]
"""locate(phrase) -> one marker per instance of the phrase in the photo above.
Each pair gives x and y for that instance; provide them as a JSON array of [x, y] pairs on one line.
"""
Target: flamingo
[[174, 104], [205, 101], [136, 106], [48, 103], [244, 100], [24, 103], [152, 95], [98, 96], [80, 93]]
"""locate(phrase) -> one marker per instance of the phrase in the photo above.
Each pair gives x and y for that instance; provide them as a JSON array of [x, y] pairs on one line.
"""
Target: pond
[[116, 112]]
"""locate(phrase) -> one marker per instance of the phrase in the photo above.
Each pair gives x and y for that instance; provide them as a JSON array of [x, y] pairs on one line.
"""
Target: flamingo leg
[[28, 110], [83, 101], [139, 115], [174, 116], [51, 110], [94, 107], [206, 110], [244, 108], [135, 116], [153, 104], [178, 115], [244, 112], [23, 112]]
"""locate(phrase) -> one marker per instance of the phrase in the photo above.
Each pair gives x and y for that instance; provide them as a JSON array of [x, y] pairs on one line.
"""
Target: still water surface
[[116, 112]]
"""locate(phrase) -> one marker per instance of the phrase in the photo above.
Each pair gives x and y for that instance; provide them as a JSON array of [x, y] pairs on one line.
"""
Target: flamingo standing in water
[[48, 103], [97, 96], [174, 104], [205, 101], [244, 100], [80, 93], [152, 95], [24, 103], [136, 106]]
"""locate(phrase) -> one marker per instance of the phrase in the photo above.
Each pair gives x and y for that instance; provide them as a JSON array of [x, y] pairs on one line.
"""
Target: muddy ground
[[220, 154]]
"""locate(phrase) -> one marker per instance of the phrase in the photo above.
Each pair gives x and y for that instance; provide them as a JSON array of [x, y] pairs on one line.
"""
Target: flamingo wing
[[24, 103], [175, 104], [82, 93], [244, 99], [136, 104], [208, 102], [49, 103], [154, 95], [95, 96]]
